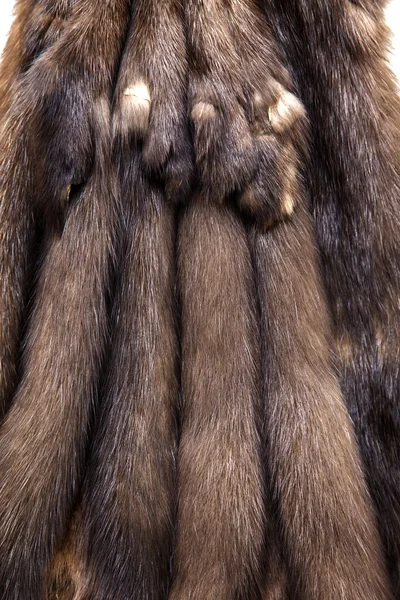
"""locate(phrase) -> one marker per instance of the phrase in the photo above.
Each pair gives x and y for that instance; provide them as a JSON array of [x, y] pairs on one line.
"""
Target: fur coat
[[199, 302]]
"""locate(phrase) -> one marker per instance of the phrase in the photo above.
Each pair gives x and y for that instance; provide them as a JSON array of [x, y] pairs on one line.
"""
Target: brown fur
[[69, 283], [337, 51], [129, 492], [131, 555], [36, 26], [44, 435], [220, 523], [325, 514], [347, 514], [296, 523], [152, 96], [235, 110]]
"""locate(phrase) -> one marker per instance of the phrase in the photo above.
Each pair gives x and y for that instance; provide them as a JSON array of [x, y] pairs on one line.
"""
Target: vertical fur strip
[[354, 178], [220, 523], [43, 438], [29, 35], [56, 96], [151, 105], [325, 511], [130, 489], [45, 138], [17, 238], [129, 493]]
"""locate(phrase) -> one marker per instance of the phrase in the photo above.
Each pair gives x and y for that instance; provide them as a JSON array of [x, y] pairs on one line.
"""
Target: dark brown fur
[[152, 97], [129, 492], [36, 26], [54, 368], [236, 87], [324, 511], [249, 144], [334, 486], [337, 51], [44, 435]]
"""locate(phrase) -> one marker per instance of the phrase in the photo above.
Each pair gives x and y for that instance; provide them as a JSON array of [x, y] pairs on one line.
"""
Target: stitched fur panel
[[151, 102], [36, 25], [326, 517], [129, 494]]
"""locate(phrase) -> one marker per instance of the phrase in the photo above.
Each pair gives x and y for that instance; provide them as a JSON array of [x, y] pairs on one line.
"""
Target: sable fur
[[234, 110], [128, 503], [272, 502], [38, 137], [354, 178], [50, 364], [325, 514], [36, 26], [129, 492], [348, 516], [44, 435], [220, 522], [153, 93]]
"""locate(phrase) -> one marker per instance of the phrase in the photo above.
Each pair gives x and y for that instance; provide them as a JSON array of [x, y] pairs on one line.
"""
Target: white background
[[393, 17]]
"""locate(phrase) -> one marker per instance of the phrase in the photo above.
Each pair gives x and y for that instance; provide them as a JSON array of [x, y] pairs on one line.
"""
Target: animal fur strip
[[153, 94], [44, 99], [220, 522], [324, 509], [130, 489], [354, 181], [47, 123], [45, 433], [206, 452], [37, 25]]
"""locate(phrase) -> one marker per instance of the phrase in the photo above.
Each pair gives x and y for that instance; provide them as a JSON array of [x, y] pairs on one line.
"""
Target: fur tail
[[130, 490], [220, 525], [354, 180], [326, 517], [44, 436]]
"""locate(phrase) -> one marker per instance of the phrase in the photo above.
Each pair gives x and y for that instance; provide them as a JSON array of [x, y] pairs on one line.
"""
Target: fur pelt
[[58, 373], [178, 429], [36, 27], [354, 180]]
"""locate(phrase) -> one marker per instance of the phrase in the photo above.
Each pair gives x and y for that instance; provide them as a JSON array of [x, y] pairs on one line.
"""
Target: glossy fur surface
[[198, 269]]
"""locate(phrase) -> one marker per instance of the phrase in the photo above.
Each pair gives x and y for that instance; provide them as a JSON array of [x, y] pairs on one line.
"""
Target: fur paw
[[59, 132], [151, 111], [272, 195], [224, 152]]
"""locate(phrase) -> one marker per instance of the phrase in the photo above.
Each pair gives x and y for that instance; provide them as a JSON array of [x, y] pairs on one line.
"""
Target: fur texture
[[151, 105], [222, 461], [354, 177], [58, 375], [236, 112], [44, 435], [37, 25], [129, 492], [220, 523]]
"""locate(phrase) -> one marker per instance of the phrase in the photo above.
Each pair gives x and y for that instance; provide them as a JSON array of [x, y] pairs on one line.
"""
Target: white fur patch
[[203, 111], [288, 204], [285, 112], [135, 108]]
